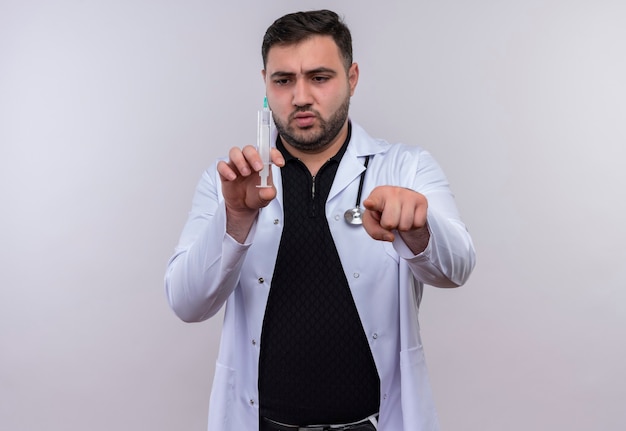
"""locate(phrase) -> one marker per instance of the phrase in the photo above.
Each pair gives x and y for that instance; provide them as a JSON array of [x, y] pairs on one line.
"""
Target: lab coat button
[[356, 275], [337, 217], [253, 342], [261, 280], [374, 335], [251, 402], [276, 221]]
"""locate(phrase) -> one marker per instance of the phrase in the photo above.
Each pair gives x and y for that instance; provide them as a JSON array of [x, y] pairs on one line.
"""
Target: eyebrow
[[326, 70]]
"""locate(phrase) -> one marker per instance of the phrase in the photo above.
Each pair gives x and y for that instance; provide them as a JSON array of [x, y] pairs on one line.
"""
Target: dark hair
[[296, 27]]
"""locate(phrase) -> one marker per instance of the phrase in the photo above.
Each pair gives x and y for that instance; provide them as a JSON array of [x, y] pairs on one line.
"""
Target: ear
[[353, 77], [263, 74]]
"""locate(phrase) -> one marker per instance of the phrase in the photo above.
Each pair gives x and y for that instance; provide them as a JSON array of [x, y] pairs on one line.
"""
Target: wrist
[[239, 223]]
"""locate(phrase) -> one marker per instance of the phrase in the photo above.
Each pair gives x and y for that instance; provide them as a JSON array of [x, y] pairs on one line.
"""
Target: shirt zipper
[[313, 212]]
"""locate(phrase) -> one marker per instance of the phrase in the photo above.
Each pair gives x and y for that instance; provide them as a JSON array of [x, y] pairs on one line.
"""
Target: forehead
[[311, 53]]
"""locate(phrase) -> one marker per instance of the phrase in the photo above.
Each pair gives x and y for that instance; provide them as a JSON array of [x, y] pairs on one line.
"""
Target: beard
[[308, 139]]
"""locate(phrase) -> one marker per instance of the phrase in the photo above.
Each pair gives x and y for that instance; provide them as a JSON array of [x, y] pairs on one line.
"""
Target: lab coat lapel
[[350, 168], [352, 162]]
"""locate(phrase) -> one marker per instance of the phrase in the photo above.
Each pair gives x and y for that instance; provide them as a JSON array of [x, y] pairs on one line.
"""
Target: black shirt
[[315, 365]]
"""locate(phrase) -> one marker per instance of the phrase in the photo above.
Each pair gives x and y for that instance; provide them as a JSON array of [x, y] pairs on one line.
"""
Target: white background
[[110, 110]]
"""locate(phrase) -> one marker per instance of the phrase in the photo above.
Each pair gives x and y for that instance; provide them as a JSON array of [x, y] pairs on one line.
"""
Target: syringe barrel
[[263, 137]]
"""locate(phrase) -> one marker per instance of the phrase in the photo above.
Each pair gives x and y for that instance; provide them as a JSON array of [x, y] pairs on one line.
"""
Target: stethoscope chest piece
[[353, 216]]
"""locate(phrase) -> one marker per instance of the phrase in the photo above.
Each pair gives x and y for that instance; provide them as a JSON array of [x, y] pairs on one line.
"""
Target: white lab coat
[[209, 270]]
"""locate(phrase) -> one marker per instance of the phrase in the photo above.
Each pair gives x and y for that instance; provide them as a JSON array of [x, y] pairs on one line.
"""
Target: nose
[[301, 93]]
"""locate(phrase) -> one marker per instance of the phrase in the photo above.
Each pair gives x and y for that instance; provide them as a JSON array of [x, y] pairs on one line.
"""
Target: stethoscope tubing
[[353, 216]]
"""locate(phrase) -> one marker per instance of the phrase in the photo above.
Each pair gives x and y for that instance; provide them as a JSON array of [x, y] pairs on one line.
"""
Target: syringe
[[263, 142]]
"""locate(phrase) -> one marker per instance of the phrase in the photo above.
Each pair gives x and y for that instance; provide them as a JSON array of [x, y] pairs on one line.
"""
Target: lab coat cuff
[[233, 242], [406, 253]]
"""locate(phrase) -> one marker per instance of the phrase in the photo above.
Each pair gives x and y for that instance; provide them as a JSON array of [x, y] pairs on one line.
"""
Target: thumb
[[371, 224]]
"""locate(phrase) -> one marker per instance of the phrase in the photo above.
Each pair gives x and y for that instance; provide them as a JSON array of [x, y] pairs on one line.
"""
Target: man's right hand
[[239, 186]]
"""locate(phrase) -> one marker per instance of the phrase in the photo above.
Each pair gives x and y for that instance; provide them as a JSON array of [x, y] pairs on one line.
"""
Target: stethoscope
[[354, 215]]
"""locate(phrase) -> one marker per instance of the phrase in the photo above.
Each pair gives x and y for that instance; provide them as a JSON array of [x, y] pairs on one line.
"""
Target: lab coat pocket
[[413, 357], [221, 406], [391, 252], [417, 400]]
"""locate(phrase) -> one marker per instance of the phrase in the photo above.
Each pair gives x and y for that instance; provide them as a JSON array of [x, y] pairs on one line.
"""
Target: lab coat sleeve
[[206, 264], [449, 257]]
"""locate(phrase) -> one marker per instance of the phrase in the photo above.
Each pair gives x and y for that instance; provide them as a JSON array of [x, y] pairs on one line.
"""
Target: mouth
[[304, 119]]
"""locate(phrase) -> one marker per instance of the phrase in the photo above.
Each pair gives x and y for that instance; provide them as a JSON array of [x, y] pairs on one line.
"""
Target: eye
[[320, 79], [281, 82]]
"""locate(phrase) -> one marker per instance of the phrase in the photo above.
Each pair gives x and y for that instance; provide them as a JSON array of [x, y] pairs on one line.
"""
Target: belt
[[368, 424]]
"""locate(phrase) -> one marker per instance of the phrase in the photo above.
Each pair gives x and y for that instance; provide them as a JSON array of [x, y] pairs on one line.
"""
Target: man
[[320, 328]]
